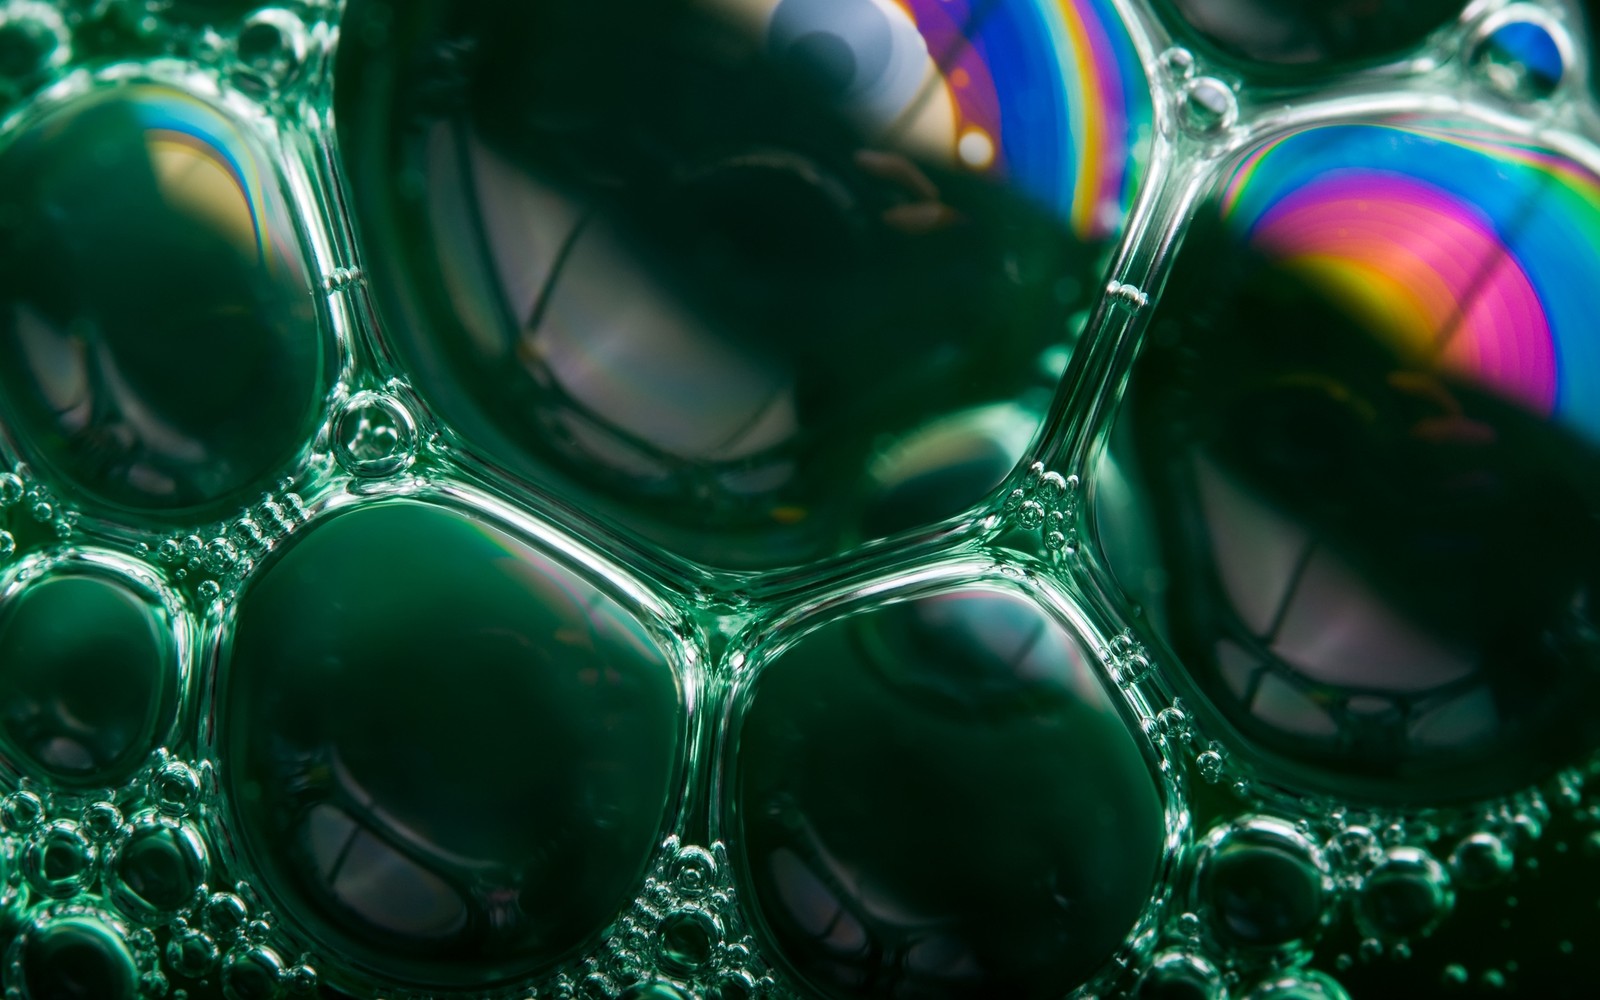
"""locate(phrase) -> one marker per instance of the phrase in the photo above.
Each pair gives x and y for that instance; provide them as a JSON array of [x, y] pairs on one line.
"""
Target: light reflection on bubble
[[186, 371], [708, 274], [1367, 424]]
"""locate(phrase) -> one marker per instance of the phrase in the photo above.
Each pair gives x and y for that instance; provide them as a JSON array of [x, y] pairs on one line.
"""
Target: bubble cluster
[[772, 499]]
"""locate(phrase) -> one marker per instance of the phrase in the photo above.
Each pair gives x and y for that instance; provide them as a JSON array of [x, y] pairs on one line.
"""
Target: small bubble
[[1178, 63], [1014, 500], [1494, 979], [1052, 487], [1031, 514], [1180, 974], [270, 47], [694, 871], [225, 914], [301, 980], [169, 552], [1455, 975], [375, 436], [33, 38], [59, 861], [1030, 481], [1189, 925], [11, 489], [1407, 895], [191, 953], [1208, 106], [21, 811], [101, 820], [1173, 723], [1055, 540], [1210, 764], [175, 784], [8, 544], [42, 511], [1370, 950], [1481, 860], [252, 974], [686, 940], [209, 591], [1521, 57]]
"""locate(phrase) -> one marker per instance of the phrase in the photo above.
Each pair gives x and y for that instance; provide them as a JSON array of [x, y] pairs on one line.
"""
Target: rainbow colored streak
[[175, 120], [1469, 250], [1058, 86]]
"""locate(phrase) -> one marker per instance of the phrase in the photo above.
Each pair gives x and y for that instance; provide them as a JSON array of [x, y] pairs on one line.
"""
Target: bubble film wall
[[731, 499]]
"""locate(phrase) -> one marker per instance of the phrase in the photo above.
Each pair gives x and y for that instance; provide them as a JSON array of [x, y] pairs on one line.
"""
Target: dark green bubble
[[686, 939], [159, 348], [157, 870], [450, 754], [77, 958], [1311, 36], [938, 799], [88, 679], [634, 262], [1261, 894], [1379, 573]]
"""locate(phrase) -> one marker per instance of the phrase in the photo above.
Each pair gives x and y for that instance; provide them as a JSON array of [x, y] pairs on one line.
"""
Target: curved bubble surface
[[185, 374], [939, 799], [449, 753]]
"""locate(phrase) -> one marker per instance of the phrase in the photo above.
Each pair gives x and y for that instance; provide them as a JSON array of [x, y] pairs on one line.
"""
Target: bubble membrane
[[703, 279], [1366, 426]]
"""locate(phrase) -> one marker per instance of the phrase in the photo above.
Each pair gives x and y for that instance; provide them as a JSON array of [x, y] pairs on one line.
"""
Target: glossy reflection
[[450, 755], [157, 869], [1310, 35], [938, 799], [89, 679], [697, 265], [1366, 425], [158, 342], [75, 958]]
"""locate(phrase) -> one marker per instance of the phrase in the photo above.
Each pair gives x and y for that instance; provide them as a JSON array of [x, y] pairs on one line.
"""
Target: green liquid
[[938, 799], [88, 680], [451, 757]]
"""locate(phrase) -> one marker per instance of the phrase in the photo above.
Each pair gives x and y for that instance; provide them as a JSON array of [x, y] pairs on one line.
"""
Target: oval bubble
[[1366, 434], [89, 678], [73, 955], [703, 269], [939, 798], [1286, 38], [449, 754], [1261, 884], [185, 374]]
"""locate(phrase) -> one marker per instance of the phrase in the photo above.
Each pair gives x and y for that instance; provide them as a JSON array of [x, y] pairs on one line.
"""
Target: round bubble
[[939, 798], [186, 373], [157, 869], [73, 955], [89, 677], [1299, 38], [714, 280], [1261, 884], [449, 754], [1180, 975], [1406, 896], [1352, 475]]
